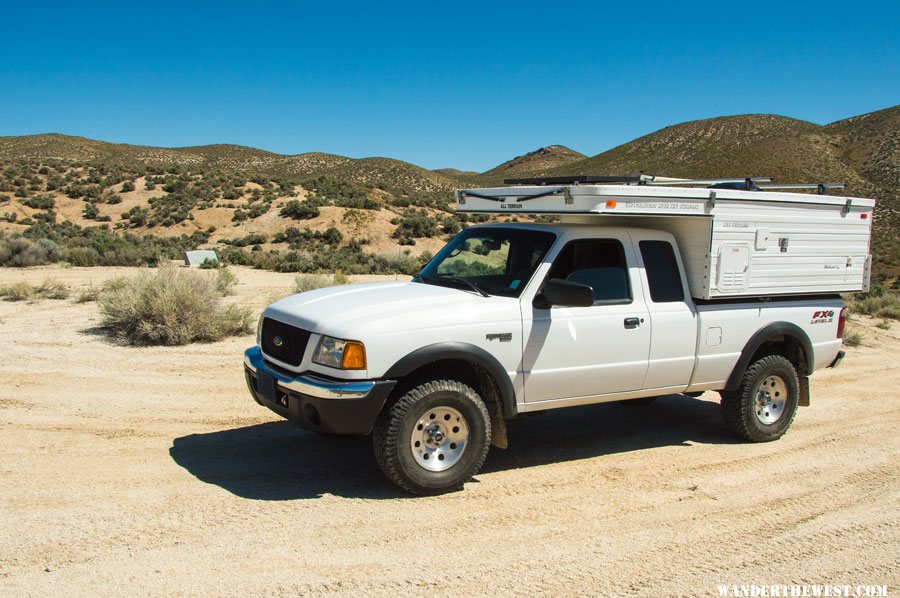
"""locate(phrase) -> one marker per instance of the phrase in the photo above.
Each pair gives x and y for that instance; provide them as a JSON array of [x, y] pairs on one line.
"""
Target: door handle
[[632, 322]]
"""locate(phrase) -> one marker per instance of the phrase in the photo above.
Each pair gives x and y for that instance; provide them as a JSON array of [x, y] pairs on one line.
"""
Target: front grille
[[293, 341]]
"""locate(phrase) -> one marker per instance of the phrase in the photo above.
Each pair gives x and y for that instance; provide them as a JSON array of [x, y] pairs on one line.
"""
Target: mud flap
[[803, 399], [498, 426]]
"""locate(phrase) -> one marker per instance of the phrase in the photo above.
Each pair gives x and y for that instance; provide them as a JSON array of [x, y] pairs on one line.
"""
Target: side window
[[598, 263], [662, 271]]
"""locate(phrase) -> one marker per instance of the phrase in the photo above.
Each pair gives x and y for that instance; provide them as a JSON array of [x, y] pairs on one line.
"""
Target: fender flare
[[759, 338], [462, 352]]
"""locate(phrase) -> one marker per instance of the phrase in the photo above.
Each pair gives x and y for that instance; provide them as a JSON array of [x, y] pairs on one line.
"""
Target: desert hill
[[536, 163], [247, 198], [380, 172]]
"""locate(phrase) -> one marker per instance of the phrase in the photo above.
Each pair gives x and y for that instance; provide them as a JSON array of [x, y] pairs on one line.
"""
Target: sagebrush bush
[[226, 281], [22, 253], [169, 307], [852, 338], [300, 210], [885, 305], [81, 256]]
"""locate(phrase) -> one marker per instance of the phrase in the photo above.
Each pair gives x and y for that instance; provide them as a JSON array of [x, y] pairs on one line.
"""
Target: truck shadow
[[278, 461]]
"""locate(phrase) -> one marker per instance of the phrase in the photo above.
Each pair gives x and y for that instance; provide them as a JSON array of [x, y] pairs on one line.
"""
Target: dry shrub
[[87, 294], [311, 282], [169, 307], [853, 338], [23, 253], [885, 305], [226, 281], [52, 289], [17, 291]]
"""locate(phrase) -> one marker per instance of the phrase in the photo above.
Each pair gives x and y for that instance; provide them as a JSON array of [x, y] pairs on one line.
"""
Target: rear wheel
[[764, 405], [434, 438]]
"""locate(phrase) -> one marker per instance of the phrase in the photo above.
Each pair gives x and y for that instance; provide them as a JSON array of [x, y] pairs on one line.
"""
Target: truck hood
[[359, 310]]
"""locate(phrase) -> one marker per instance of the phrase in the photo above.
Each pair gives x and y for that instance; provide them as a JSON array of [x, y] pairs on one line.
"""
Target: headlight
[[338, 353], [259, 331]]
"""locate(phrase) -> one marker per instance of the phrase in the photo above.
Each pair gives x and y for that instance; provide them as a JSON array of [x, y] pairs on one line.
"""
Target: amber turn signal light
[[354, 356]]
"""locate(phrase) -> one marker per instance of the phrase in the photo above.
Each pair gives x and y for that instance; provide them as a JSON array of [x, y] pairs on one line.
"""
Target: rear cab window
[[663, 275]]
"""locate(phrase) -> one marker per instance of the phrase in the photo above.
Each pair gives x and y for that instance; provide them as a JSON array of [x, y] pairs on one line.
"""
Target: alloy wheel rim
[[439, 438], [771, 398]]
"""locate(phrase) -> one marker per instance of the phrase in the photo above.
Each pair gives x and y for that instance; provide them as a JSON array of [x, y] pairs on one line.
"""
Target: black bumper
[[350, 415]]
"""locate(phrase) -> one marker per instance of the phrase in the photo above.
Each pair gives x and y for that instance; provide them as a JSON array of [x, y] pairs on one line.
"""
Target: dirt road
[[129, 471]]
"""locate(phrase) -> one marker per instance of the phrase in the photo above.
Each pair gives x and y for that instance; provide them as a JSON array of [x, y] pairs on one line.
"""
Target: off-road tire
[[740, 407], [391, 438]]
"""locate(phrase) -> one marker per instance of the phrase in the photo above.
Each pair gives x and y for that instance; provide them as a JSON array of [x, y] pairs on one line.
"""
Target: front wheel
[[764, 405], [434, 438]]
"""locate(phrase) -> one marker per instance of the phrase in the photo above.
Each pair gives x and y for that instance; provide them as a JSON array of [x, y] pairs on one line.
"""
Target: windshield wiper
[[452, 279]]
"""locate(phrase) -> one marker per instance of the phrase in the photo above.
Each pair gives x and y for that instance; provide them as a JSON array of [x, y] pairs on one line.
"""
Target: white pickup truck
[[511, 318]]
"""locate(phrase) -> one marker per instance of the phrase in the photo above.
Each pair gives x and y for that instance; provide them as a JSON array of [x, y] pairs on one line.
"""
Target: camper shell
[[738, 237]]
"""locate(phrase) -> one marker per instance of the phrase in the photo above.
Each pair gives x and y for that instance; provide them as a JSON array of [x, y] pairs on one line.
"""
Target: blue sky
[[452, 84]]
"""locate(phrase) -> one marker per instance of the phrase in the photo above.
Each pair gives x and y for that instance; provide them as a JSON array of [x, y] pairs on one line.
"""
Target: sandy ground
[[129, 471]]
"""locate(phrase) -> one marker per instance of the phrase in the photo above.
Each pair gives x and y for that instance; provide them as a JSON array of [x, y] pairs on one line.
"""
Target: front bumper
[[316, 403]]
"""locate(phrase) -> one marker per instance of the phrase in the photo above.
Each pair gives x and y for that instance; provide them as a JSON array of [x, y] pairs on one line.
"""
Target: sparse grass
[[853, 338], [311, 282], [22, 291], [883, 325], [88, 294], [169, 307]]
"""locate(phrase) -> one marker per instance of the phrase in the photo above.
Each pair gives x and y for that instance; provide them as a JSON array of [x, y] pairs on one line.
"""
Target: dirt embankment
[[150, 471]]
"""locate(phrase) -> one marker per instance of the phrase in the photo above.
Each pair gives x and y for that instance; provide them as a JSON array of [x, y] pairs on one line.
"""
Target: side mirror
[[564, 293]]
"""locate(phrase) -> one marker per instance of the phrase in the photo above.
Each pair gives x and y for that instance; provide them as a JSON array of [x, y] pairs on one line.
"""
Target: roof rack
[[574, 180], [745, 184]]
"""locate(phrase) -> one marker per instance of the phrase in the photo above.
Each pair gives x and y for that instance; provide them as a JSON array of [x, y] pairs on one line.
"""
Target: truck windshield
[[488, 260]]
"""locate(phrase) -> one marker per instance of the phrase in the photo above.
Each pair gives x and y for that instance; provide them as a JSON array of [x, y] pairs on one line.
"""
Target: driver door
[[579, 354]]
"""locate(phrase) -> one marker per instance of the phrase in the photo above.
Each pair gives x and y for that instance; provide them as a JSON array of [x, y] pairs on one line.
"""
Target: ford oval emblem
[[278, 341]]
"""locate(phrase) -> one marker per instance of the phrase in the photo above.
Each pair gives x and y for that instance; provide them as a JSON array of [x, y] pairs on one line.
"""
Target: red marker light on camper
[[863, 215], [611, 203]]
